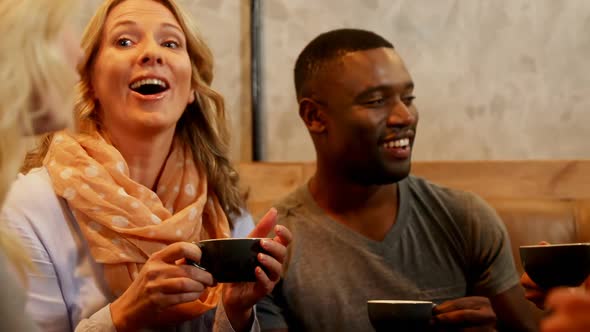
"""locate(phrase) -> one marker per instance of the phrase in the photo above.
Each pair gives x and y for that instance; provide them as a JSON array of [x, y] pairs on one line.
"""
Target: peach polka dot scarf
[[123, 221]]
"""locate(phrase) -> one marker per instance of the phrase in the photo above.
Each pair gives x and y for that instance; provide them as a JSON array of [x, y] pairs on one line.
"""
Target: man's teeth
[[151, 81], [400, 143]]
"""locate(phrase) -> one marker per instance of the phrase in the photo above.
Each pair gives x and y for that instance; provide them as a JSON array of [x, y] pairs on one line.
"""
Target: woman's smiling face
[[141, 76]]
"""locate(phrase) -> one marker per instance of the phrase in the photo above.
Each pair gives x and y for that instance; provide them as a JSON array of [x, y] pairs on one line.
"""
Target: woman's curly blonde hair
[[203, 125]]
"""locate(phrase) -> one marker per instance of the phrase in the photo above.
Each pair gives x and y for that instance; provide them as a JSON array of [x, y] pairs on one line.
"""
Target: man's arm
[[514, 312], [493, 270]]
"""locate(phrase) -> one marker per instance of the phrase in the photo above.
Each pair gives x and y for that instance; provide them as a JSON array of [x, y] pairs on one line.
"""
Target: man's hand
[[532, 291], [472, 313]]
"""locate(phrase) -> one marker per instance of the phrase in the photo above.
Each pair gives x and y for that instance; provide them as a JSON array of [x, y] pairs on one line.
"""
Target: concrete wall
[[502, 79]]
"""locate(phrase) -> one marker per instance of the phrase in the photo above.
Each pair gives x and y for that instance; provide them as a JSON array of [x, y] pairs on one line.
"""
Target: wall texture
[[502, 79]]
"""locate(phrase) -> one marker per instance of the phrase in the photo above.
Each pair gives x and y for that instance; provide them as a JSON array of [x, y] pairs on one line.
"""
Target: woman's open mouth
[[149, 86]]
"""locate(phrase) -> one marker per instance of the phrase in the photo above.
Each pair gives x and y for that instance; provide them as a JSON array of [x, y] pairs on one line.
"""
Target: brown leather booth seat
[[537, 200], [532, 221]]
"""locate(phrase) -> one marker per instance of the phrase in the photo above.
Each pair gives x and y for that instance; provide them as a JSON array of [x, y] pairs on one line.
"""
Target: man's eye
[[408, 100], [124, 42], [170, 44], [375, 102]]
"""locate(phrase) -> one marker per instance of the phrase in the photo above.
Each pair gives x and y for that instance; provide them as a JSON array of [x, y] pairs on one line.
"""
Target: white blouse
[[66, 289]]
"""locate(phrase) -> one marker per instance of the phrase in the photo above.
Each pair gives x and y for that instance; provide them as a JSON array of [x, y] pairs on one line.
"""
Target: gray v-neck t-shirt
[[444, 244]]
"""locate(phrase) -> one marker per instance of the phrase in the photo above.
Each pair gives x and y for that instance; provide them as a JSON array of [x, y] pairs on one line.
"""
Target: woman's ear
[[312, 115], [191, 97]]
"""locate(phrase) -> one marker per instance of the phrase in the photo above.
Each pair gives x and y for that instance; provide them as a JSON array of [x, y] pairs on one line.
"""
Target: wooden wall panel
[[267, 182]]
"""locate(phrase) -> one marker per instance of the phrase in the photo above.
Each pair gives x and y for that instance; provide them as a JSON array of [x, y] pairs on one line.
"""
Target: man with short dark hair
[[364, 229]]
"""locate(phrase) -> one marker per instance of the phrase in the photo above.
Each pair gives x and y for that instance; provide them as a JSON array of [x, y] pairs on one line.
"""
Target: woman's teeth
[[148, 81]]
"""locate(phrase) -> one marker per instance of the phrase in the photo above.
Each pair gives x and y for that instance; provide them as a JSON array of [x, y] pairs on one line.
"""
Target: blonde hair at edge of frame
[[203, 125], [31, 63]]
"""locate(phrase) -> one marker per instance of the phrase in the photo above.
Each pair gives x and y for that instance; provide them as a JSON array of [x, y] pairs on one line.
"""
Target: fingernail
[[261, 258], [271, 212], [264, 242]]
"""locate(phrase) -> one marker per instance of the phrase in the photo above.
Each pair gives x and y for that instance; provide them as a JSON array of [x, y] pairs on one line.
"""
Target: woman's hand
[[239, 298], [163, 282]]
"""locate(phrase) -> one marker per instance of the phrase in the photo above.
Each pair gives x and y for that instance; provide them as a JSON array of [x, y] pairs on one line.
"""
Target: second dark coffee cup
[[555, 265], [230, 259], [400, 315]]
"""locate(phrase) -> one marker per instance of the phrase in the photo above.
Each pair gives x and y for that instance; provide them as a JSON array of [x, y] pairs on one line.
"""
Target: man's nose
[[401, 115]]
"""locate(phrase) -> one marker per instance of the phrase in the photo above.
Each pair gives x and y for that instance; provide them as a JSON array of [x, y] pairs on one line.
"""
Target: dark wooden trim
[[256, 77]]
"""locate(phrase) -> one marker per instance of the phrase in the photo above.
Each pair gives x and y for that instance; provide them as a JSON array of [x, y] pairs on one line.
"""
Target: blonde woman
[[37, 59], [116, 205]]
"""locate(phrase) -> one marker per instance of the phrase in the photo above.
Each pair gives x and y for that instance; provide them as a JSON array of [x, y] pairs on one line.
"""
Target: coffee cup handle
[[195, 264]]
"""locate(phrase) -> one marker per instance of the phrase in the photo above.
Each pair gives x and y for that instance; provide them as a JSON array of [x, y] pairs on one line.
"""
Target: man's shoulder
[[461, 205], [425, 189], [292, 204]]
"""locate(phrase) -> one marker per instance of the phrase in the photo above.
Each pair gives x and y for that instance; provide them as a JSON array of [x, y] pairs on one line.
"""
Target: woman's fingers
[[274, 249], [283, 235], [263, 280], [197, 274], [272, 267], [265, 225], [166, 300], [178, 251], [177, 286]]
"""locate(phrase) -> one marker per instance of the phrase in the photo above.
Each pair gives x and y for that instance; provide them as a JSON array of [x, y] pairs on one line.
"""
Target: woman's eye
[[124, 42], [170, 44]]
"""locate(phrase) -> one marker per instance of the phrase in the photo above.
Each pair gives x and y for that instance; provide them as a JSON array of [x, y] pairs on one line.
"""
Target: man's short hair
[[328, 46]]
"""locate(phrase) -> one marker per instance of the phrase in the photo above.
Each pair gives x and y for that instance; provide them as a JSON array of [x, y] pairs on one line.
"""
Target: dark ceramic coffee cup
[[230, 259], [555, 265], [398, 315]]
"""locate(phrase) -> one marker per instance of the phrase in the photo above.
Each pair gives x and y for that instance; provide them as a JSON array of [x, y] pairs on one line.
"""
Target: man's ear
[[312, 115]]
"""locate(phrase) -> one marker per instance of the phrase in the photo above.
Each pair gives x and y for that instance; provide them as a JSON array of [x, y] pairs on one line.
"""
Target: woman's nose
[[148, 59], [151, 54]]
